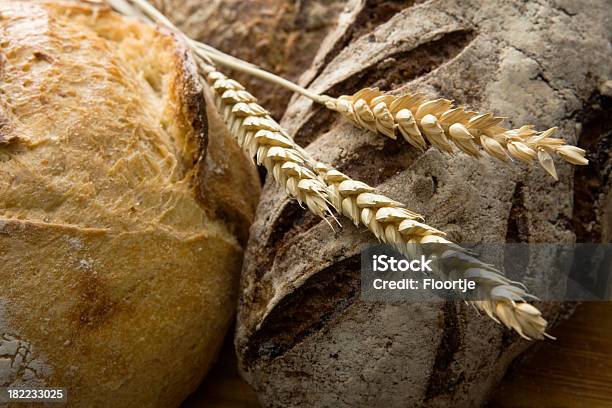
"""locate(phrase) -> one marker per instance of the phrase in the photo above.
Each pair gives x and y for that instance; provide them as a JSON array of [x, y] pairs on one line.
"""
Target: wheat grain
[[438, 122], [319, 186]]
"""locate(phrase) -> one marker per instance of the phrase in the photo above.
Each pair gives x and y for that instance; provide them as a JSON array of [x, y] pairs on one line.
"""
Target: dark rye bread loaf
[[123, 214], [304, 337]]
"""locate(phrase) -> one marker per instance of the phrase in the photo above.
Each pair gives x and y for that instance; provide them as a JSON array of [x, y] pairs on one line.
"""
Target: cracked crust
[[122, 219]]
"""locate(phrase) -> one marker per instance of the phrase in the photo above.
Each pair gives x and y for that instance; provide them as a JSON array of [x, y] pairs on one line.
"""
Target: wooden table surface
[[573, 371]]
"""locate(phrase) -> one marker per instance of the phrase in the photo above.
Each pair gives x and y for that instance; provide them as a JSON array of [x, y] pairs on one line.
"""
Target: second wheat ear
[[438, 122], [319, 187]]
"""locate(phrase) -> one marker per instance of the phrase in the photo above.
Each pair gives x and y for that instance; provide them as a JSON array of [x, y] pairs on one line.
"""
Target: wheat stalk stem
[[319, 186], [239, 65]]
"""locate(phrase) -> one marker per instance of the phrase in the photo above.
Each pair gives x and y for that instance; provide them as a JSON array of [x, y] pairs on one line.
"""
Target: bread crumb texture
[[120, 235]]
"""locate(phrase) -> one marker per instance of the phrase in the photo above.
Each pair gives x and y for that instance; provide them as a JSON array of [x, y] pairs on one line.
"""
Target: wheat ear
[[438, 122], [318, 185]]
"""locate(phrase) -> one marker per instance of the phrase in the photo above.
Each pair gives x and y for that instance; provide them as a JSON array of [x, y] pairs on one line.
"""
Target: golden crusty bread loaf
[[121, 221]]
